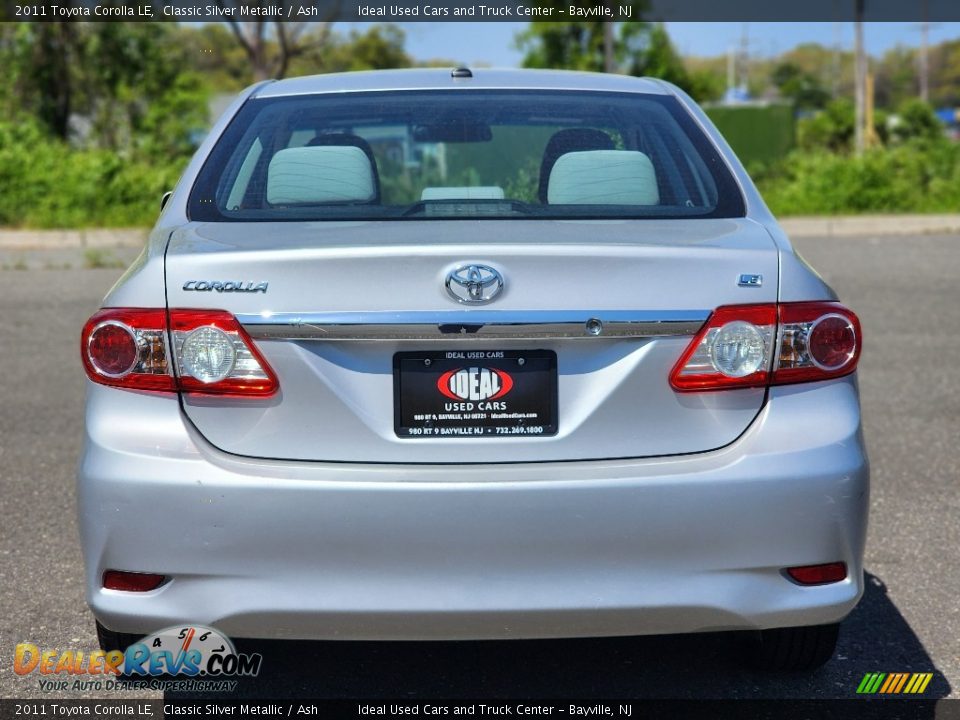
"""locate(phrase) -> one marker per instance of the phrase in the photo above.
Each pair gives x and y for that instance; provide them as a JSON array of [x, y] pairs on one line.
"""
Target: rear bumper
[[339, 551]]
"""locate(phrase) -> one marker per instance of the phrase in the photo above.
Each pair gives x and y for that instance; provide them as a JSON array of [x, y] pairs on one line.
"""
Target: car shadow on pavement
[[874, 638]]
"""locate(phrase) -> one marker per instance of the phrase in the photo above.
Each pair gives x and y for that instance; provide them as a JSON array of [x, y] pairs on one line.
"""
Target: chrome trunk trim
[[465, 325]]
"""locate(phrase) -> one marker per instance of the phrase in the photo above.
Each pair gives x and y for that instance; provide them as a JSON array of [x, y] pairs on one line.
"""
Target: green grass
[[95, 258]]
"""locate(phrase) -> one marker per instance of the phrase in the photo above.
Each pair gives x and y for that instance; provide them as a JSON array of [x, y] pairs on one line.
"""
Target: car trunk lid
[[339, 308]]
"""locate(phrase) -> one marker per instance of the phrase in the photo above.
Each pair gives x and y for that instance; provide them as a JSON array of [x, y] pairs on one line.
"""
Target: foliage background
[[97, 120]]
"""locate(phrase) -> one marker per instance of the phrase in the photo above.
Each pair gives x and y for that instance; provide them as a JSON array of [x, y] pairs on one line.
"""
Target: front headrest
[[603, 177], [322, 174]]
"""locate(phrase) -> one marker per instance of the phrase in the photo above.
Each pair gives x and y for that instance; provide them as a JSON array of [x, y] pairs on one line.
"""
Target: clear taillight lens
[[130, 347], [216, 356], [734, 349]]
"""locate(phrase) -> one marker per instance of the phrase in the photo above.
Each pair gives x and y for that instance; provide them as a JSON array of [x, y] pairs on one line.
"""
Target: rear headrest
[[477, 192], [345, 138], [320, 174], [603, 177], [565, 141]]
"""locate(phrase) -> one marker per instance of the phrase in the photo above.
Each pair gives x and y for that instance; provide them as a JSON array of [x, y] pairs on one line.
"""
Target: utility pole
[[860, 79], [837, 49], [744, 57], [608, 60], [731, 72], [925, 61]]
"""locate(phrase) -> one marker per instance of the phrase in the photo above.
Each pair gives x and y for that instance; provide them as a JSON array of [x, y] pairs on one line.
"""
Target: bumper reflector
[[818, 574], [131, 581]]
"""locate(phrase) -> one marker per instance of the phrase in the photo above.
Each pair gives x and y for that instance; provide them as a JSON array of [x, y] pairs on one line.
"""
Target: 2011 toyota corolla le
[[469, 355]]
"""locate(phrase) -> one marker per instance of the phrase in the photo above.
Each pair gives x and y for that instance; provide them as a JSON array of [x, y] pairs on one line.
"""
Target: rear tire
[[794, 649], [111, 640]]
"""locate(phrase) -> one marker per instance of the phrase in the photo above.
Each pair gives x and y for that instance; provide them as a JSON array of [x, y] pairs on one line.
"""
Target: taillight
[[127, 348], [732, 350], [215, 355], [817, 341], [130, 347], [735, 348]]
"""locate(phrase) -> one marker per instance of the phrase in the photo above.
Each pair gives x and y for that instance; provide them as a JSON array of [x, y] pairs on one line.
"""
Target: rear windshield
[[457, 154]]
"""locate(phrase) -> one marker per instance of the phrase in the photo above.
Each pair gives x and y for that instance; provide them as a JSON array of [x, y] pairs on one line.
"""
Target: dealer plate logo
[[475, 384]]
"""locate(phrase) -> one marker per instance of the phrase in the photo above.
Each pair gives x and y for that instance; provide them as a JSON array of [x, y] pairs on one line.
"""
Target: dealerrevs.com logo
[[192, 651]]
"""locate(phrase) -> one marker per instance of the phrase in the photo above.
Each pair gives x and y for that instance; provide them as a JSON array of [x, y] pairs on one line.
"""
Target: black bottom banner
[[632, 709]]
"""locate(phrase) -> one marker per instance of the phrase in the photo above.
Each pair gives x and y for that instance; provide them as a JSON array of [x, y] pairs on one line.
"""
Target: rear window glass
[[456, 154]]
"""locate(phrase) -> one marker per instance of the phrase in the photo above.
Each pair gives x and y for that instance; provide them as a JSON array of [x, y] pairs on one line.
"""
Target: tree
[[653, 55], [39, 64], [578, 45], [896, 77], [136, 91], [832, 128], [638, 48], [945, 74], [916, 119], [802, 88], [380, 47], [270, 53], [216, 55]]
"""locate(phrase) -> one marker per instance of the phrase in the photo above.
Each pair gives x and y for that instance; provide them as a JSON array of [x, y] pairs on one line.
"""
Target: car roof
[[441, 79]]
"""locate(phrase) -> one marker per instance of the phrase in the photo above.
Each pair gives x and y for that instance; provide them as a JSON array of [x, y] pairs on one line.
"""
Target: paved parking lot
[[906, 292]]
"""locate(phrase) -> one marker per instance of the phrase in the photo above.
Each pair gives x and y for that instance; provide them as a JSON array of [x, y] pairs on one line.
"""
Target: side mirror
[[163, 200]]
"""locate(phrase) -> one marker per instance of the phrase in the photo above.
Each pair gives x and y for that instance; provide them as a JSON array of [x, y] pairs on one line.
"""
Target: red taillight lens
[[131, 581], [113, 348], [130, 347], [818, 341], [832, 342], [127, 347], [735, 348], [818, 574]]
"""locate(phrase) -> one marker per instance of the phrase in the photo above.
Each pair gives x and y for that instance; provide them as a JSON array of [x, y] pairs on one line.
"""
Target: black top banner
[[482, 10]]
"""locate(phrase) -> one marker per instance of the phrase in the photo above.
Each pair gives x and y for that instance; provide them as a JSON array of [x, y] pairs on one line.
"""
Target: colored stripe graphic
[[862, 687], [921, 685], [870, 683], [891, 682], [894, 683]]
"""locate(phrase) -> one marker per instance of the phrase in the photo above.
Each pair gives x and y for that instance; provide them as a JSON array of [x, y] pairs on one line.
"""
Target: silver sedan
[[476, 354]]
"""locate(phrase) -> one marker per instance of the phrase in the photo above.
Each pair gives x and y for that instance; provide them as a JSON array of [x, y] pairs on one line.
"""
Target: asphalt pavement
[[907, 294]]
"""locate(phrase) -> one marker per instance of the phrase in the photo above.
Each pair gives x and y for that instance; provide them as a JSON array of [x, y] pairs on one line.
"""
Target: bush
[[916, 176], [46, 184], [758, 134], [916, 119]]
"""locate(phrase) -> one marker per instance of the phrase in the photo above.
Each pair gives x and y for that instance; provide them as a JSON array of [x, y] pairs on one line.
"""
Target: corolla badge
[[227, 286], [474, 284]]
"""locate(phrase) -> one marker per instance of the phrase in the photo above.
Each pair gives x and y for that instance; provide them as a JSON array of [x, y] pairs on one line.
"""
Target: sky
[[492, 43]]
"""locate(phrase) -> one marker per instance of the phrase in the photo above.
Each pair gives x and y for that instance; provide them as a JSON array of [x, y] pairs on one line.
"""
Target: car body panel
[[330, 551]]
